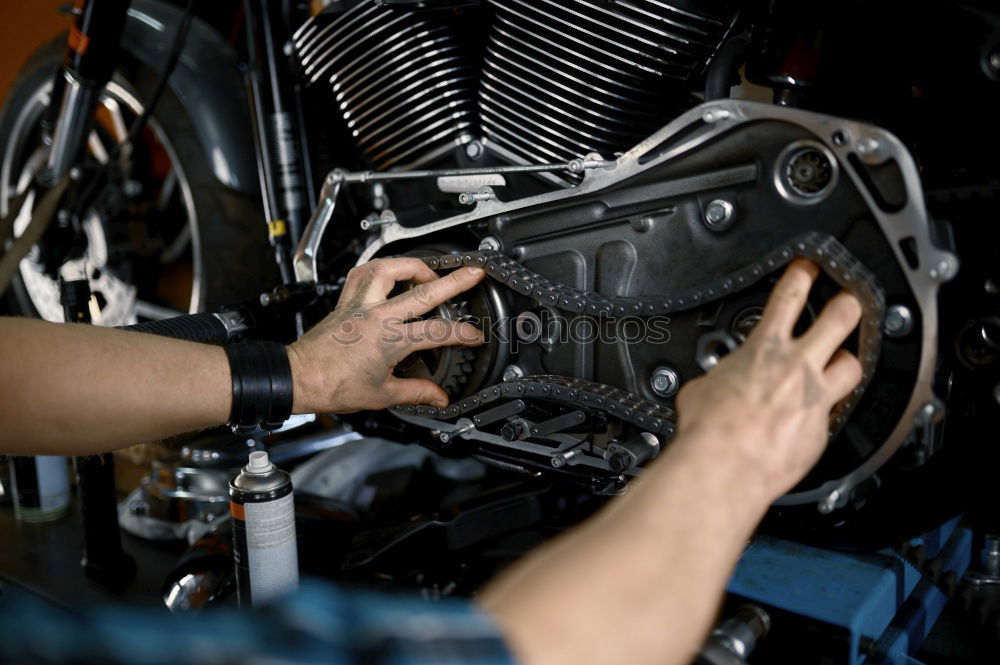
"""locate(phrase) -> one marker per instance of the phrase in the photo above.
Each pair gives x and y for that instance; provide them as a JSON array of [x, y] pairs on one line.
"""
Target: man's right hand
[[345, 362], [766, 406]]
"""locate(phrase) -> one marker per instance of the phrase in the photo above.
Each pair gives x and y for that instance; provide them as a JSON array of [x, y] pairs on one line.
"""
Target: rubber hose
[[203, 327]]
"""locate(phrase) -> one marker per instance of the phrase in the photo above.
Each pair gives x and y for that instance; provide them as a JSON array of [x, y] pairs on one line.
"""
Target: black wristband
[[262, 385]]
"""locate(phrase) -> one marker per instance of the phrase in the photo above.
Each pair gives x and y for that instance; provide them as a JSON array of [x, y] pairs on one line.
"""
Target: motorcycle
[[632, 174]]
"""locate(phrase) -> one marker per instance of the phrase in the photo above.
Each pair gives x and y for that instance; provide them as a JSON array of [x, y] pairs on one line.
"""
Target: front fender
[[208, 82]]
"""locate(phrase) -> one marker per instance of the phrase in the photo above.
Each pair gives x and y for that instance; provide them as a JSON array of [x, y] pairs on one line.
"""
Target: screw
[[719, 215], [288, 49], [75, 174], [898, 321], [996, 393], [560, 460], [943, 270], [473, 149], [471, 198], [931, 412], [868, 146], [665, 381], [447, 437], [489, 244], [373, 220], [995, 60], [827, 505], [512, 373]]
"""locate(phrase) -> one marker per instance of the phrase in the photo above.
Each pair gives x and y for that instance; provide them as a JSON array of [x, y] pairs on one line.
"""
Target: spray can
[[264, 547], [40, 487]]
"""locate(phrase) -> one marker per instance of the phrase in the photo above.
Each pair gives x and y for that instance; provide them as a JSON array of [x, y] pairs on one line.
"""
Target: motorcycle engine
[[646, 246]]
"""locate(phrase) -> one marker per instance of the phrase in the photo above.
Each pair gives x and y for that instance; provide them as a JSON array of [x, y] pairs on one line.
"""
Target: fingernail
[[475, 272]]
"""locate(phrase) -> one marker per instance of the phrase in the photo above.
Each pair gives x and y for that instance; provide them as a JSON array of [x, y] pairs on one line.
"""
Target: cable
[[101, 177]]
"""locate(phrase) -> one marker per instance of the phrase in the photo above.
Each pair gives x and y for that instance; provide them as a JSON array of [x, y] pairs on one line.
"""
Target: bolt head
[[898, 321], [557, 462], [474, 150], [943, 270], [489, 244], [867, 146], [665, 381], [995, 60], [512, 373], [719, 215]]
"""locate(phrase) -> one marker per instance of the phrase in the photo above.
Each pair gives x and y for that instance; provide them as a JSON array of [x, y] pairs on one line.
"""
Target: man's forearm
[[114, 388], [641, 582]]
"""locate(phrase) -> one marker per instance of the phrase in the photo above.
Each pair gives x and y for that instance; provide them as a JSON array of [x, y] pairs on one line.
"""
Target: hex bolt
[[473, 149], [868, 146], [898, 321], [931, 412], [512, 373], [665, 381], [489, 244], [719, 215], [560, 460], [943, 270]]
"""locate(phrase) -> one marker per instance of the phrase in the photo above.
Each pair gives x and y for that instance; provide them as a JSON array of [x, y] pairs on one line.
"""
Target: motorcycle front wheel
[[174, 239]]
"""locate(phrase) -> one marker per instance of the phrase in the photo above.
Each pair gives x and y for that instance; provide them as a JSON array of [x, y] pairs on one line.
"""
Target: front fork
[[92, 52]]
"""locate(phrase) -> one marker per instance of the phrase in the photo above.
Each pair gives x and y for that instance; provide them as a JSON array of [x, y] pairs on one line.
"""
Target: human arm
[[319, 624], [641, 581], [71, 389]]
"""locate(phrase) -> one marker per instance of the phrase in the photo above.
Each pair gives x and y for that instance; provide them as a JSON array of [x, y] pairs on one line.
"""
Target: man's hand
[[345, 363], [766, 406], [749, 430]]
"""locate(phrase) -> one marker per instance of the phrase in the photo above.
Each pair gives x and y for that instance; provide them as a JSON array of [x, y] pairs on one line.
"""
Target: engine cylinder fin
[[565, 77], [404, 81]]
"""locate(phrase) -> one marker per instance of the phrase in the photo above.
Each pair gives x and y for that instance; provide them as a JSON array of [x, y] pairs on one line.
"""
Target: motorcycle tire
[[232, 259]]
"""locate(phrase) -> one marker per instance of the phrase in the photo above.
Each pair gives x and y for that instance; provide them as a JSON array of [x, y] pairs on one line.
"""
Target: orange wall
[[24, 26]]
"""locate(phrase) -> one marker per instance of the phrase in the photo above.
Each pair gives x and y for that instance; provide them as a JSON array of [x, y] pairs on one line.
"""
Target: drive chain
[[826, 251]]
